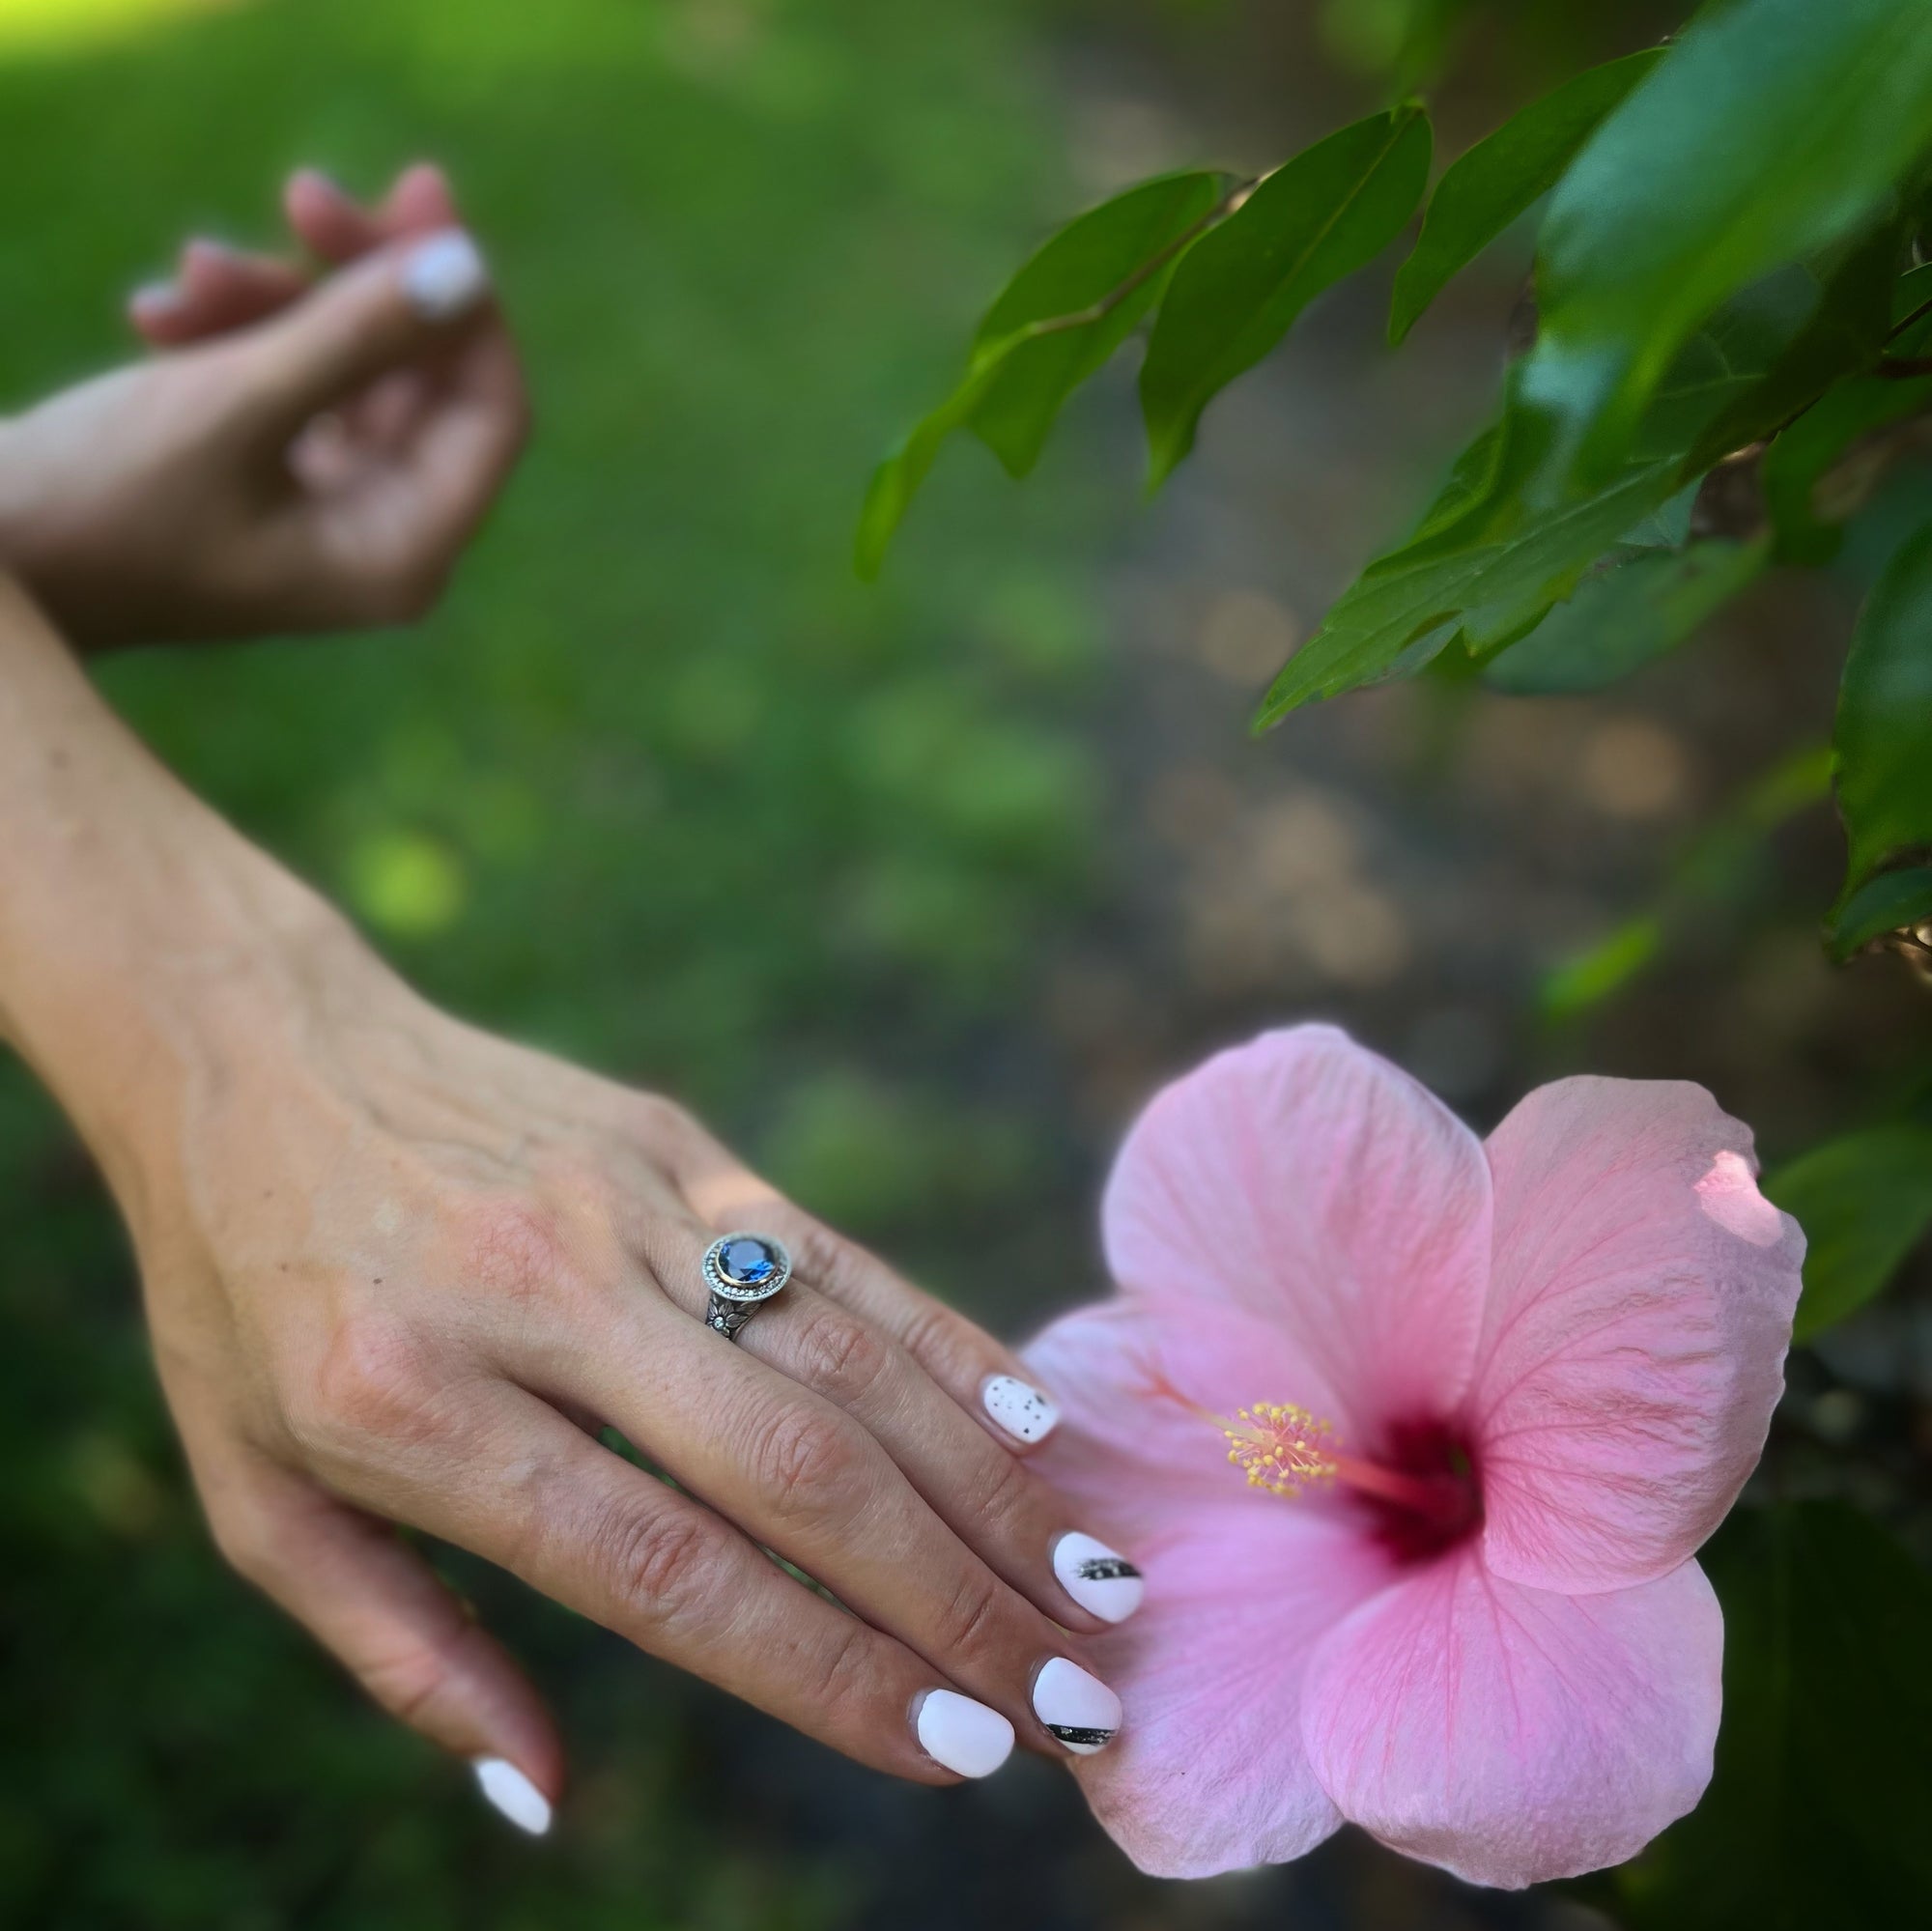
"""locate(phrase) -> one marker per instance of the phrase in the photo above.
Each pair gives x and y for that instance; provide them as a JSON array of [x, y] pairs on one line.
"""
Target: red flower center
[[1440, 1499]]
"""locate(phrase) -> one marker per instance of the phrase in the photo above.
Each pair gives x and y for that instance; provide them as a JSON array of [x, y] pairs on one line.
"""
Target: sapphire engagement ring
[[742, 1271]]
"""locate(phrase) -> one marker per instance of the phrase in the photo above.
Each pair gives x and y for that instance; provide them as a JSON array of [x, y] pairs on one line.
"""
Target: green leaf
[[1317, 218], [1883, 735], [1808, 502], [1912, 293], [1889, 903], [1622, 617], [1813, 475], [1864, 1202], [1507, 539], [1718, 867], [1773, 128], [1667, 528], [1059, 319], [1484, 190], [1816, 1813], [1593, 976], [1081, 267], [1849, 320], [1490, 557]]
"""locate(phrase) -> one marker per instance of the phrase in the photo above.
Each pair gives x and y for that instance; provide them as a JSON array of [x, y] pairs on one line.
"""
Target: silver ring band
[[742, 1272]]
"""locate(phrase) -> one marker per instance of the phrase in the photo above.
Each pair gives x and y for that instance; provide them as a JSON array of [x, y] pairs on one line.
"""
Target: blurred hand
[[308, 454]]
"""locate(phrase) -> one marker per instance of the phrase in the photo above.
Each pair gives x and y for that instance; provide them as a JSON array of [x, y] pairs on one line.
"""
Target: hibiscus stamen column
[[1284, 1449]]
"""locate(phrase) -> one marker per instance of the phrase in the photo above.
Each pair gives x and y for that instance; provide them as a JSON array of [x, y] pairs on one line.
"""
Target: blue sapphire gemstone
[[747, 1262]]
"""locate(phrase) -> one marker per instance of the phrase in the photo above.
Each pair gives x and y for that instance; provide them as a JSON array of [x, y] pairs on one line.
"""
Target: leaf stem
[[1098, 311]]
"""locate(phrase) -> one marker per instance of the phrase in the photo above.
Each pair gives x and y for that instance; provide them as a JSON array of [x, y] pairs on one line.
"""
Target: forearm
[[127, 907]]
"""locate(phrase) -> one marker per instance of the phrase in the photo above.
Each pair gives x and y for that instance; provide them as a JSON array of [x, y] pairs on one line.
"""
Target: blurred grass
[[661, 786]]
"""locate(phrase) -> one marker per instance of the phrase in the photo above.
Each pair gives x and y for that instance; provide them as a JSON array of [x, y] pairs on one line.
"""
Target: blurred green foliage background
[[661, 787], [914, 891]]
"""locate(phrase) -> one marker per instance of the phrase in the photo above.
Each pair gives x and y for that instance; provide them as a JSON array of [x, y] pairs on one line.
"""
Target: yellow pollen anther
[[1281, 1448]]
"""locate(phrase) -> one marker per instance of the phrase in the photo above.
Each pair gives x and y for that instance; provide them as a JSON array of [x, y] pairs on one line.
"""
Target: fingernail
[[964, 1736], [445, 275], [1019, 1408], [155, 296], [513, 1794], [207, 248], [1079, 1708], [1098, 1577], [322, 178]]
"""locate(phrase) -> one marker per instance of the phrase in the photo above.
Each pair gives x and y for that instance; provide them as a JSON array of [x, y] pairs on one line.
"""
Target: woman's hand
[[399, 1270], [307, 454]]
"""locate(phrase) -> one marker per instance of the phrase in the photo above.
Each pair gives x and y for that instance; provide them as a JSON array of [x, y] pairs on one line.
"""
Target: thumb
[[383, 311]]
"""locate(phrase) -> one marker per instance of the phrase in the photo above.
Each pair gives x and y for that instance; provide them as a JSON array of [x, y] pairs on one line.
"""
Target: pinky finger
[[371, 1600]]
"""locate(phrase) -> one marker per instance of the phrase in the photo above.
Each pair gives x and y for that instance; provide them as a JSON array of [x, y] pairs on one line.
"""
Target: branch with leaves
[[1732, 345]]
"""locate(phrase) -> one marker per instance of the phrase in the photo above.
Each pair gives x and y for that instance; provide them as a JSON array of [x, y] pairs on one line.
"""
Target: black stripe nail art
[[1081, 1740], [1106, 1569]]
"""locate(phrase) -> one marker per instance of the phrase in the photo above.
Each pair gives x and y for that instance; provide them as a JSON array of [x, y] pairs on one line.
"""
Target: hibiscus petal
[[1210, 1772], [1512, 1735], [1309, 1183], [1634, 1343]]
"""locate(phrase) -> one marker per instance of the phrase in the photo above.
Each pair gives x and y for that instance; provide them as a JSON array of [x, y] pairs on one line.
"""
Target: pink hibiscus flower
[[1488, 1398]]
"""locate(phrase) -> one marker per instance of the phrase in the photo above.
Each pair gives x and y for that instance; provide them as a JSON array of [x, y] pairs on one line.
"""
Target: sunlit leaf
[[1864, 1202], [1885, 709], [1889, 903], [1773, 128], [1059, 319], [1622, 616], [1816, 1813], [1236, 294], [1484, 190]]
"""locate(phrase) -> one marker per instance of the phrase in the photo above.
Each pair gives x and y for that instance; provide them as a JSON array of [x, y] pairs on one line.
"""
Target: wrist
[[135, 924]]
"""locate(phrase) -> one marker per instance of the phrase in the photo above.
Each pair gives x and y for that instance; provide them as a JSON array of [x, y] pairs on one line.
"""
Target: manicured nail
[[513, 1794], [1019, 1408], [445, 275], [1079, 1708], [155, 297], [1098, 1579], [964, 1736]]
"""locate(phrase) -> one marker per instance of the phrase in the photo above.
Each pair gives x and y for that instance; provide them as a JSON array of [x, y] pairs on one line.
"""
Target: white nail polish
[[513, 1794], [1019, 1408], [1098, 1577], [1079, 1708], [961, 1734], [445, 275], [155, 296]]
